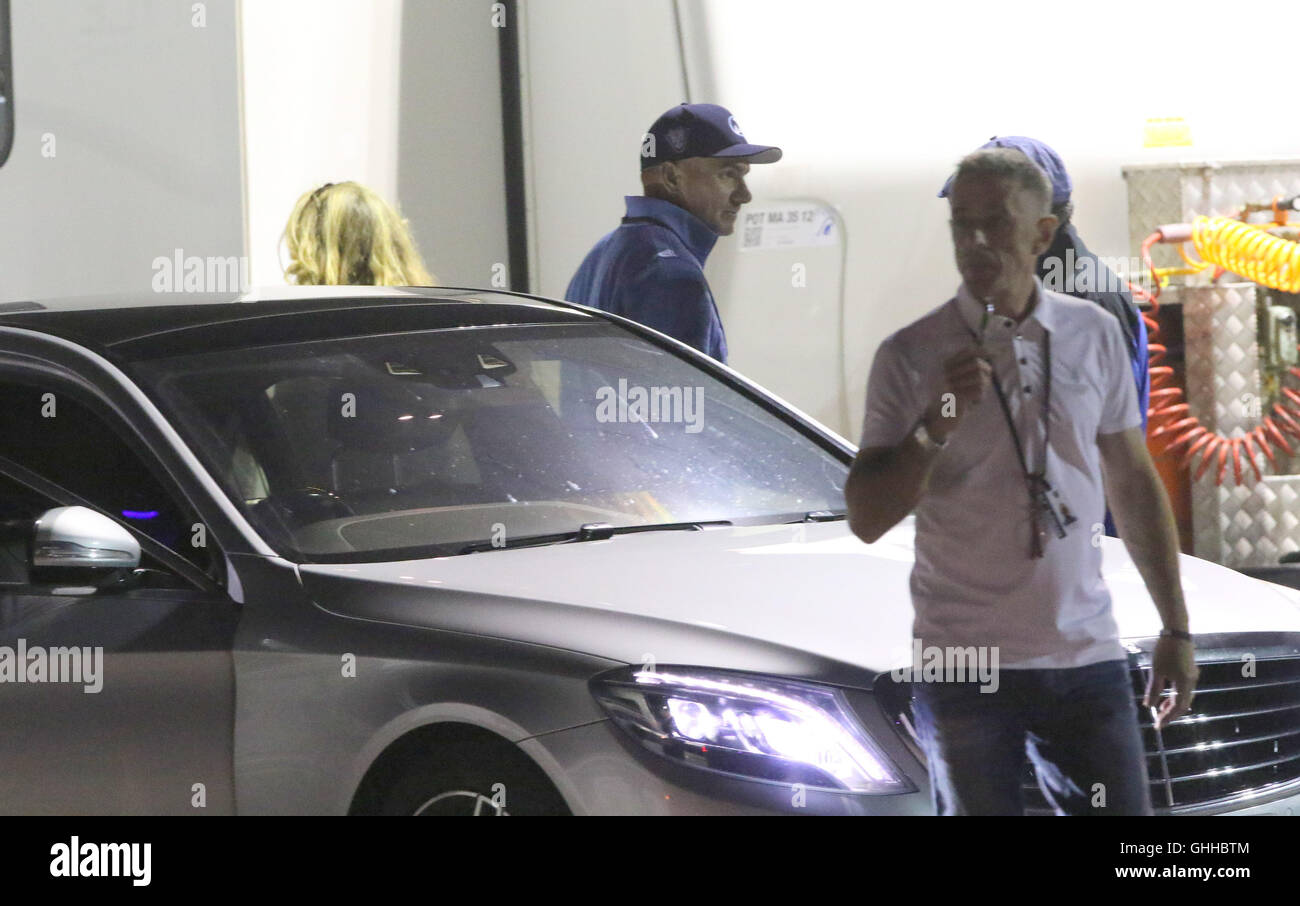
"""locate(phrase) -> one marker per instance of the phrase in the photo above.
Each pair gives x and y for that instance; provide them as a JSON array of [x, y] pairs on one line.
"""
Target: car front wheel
[[467, 781]]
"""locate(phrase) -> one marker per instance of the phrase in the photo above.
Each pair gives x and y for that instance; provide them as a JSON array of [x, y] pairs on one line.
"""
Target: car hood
[[808, 599]]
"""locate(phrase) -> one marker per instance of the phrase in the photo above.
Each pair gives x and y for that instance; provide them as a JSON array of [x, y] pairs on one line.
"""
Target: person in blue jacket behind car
[[650, 269]]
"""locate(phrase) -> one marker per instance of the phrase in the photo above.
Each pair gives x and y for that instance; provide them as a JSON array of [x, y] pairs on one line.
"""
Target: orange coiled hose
[[1266, 259]]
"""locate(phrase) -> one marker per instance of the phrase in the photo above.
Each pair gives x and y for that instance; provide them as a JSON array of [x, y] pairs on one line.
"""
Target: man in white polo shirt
[[995, 418]]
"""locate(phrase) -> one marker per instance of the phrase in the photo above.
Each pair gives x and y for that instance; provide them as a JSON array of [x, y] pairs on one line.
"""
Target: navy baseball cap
[[1040, 153], [701, 130]]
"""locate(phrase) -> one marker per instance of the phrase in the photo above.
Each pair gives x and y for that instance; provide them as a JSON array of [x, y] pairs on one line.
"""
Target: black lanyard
[[1035, 481]]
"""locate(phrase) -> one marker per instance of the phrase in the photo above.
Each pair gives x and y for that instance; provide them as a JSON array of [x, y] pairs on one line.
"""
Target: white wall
[[875, 103], [126, 144], [597, 74], [321, 87], [451, 162], [406, 98], [403, 97]]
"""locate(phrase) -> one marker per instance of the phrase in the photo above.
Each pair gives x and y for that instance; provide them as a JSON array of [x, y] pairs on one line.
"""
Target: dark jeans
[[1079, 726]]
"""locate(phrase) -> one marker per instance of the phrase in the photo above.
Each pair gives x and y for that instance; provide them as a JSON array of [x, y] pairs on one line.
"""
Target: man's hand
[[966, 378], [1172, 663], [885, 483], [1142, 513]]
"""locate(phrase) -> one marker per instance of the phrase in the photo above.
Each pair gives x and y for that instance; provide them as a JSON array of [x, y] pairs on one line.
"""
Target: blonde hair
[[345, 233]]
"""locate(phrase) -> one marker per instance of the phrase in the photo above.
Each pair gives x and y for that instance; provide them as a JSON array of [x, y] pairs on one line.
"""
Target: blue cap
[[701, 130], [1040, 153]]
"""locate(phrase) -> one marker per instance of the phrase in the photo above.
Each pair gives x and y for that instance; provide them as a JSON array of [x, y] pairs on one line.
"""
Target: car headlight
[[755, 727]]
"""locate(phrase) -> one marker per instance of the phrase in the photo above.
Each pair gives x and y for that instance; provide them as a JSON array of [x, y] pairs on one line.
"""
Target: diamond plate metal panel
[[1256, 522], [1225, 188], [1219, 333], [1154, 198], [1284, 507], [1222, 350], [1253, 523], [1179, 193]]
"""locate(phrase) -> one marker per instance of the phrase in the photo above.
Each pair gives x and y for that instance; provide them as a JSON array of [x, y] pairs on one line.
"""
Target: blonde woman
[[344, 233]]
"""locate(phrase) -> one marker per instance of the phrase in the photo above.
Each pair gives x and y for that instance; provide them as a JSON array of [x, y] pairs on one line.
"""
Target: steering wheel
[[307, 505]]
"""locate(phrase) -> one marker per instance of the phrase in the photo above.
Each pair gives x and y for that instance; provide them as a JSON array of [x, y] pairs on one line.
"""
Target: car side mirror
[[6, 86], [77, 538]]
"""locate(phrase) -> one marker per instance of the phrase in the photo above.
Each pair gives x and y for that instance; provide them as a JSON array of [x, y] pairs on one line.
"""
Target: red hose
[[1264, 448], [1289, 424], [1186, 437], [1278, 437], [1206, 458], [1170, 423], [1248, 443]]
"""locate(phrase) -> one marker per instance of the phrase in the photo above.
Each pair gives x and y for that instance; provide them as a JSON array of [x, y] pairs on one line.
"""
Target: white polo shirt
[[974, 582]]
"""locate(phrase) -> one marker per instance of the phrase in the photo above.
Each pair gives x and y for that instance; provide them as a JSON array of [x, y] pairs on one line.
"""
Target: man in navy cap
[[694, 161], [1069, 267]]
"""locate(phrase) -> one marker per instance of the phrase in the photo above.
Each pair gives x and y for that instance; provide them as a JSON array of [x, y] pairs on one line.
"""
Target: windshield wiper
[[820, 516], [591, 531]]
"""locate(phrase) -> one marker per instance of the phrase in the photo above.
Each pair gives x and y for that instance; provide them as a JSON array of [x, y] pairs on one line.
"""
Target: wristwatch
[[1176, 634], [923, 437]]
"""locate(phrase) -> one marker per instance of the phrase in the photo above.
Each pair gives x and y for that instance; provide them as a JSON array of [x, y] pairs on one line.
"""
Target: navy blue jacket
[[651, 270], [1098, 284]]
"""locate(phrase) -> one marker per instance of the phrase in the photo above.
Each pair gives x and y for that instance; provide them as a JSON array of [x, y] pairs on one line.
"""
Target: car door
[[121, 701]]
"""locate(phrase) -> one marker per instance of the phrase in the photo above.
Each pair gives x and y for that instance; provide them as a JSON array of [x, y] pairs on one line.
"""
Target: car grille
[[1240, 743]]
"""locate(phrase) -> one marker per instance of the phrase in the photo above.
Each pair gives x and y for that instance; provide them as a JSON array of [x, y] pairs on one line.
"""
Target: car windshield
[[425, 443]]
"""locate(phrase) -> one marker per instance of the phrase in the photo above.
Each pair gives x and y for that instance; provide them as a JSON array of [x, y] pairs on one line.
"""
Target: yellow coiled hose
[[1249, 251]]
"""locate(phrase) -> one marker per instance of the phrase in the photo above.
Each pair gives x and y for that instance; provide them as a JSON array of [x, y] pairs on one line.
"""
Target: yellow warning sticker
[[1166, 132]]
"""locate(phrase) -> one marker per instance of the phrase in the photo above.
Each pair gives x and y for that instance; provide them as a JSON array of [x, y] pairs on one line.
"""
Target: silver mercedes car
[[442, 551]]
